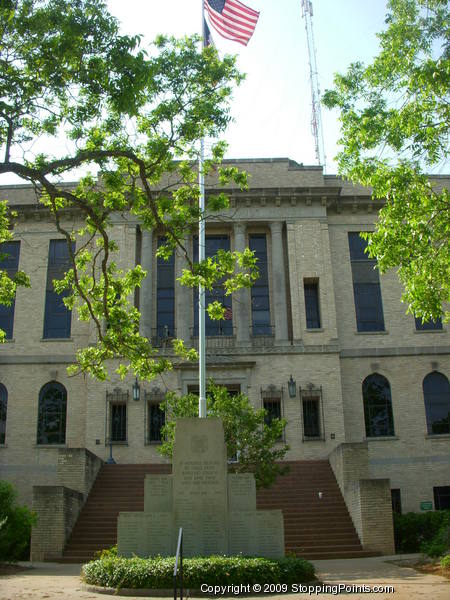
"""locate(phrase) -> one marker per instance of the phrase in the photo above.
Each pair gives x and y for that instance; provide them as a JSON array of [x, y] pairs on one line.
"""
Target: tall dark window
[[52, 414], [428, 325], [377, 406], [311, 418], [3, 409], [272, 406], [9, 262], [366, 286], [260, 289], [312, 413], [442, 497], [436, 393], [213, 243], [165, 295], [312, 305], [396, 500], [272, 402], [57, 319], [138, 261], [118, 422], [156, 421], [116, 416]]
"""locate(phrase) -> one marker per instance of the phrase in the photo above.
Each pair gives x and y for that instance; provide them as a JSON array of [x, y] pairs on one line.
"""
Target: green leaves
[[257, 444], [394, 118], [157, 572], [128, 117]]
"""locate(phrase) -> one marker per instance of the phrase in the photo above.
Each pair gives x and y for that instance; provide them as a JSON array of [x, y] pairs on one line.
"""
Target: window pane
[[260, 290], [428, 325], [156, 420], [52, 414], [165, 295], [272, 406], [369, 310], [3, 411], [396, 501], [377, 406], [366, 287], [312, 305], [357, 246], [311, 417], [9, 262], [118, 422], [57, 318], [213, 243], [442, 497], [436, 391]]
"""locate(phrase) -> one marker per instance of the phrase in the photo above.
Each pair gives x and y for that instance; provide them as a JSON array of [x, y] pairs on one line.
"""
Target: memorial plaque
[[217, 511], [158, 493], [159, 530], [241, 492], [200, 486], [132, 534], [243, 534], [270, 531]]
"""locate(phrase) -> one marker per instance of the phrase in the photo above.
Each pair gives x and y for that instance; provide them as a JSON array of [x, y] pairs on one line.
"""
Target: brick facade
[[313, 214]]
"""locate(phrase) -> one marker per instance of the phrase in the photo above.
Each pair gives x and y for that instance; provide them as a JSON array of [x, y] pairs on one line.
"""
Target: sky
[[272, 107]]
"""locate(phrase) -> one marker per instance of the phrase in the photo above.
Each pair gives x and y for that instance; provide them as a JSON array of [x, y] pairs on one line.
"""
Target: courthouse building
[[321, 339]]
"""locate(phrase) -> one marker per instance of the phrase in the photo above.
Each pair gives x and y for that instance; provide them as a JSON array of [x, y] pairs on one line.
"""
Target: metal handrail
[[179, 556]]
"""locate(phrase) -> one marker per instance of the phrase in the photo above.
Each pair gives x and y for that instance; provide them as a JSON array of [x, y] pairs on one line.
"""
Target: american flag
[[232, 19], [228, 315]]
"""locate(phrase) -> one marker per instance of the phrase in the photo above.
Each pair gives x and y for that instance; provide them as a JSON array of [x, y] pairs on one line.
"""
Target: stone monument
[[216, 510]]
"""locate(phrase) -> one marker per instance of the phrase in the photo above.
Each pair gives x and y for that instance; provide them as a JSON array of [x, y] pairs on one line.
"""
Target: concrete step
[[313, 528]]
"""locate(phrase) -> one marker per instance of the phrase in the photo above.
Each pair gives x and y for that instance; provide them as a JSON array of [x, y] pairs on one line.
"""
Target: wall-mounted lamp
[[292, 387], [136, 390]]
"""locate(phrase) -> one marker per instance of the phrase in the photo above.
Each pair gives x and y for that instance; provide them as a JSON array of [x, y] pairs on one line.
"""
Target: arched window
[[3, 407], [377, 406], [52, 414], [436, 394]]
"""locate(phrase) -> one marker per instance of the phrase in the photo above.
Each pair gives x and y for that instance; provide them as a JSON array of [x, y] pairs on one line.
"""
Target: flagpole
[[201, 257]]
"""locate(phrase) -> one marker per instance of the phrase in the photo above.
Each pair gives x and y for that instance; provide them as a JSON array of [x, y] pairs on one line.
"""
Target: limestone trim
[[394, 351]]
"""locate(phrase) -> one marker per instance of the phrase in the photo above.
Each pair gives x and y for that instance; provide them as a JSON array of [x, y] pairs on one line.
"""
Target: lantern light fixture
[[136, 390], [292, 387]]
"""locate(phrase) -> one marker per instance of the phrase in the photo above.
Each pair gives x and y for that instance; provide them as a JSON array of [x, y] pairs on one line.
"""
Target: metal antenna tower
[[316, 116]]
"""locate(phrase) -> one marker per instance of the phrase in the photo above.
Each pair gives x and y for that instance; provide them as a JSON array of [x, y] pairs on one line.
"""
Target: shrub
[[445, 561], [248, 433], [421, 532], [15, 525], [106, 553], [157, 572]]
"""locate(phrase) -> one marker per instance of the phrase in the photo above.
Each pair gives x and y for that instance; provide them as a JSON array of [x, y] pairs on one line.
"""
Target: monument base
[[216, 510]]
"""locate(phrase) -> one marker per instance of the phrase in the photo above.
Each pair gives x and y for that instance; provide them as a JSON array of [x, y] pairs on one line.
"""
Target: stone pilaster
[[183, 296], [279, 283], [146, 291], [241, 301]]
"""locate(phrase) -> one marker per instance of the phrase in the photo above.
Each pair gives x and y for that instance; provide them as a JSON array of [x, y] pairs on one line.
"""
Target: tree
[[131, 117], [15, 525], [249, 437], [394, 117]]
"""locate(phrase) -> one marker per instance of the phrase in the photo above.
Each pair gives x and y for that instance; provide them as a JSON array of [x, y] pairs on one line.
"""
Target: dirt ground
[[62, 582]]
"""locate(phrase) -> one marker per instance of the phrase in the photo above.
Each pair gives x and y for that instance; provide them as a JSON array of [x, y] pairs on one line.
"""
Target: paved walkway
[[62, 582]]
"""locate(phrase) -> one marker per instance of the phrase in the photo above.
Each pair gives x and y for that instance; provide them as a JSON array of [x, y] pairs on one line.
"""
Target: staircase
[[117, 488], [314, 528]]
